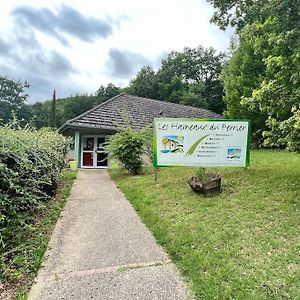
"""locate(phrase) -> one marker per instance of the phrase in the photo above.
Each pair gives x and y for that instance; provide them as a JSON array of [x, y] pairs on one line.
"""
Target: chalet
[[91, 128]]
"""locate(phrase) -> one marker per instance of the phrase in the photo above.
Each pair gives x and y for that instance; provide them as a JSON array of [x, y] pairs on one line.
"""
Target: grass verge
[[242, 244], [21, 262]]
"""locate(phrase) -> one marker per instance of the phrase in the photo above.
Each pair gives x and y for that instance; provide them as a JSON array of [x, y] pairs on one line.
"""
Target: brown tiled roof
[[138, 111]]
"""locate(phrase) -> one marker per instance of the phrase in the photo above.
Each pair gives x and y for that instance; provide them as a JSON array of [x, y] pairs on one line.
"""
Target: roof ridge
[[95, 107]]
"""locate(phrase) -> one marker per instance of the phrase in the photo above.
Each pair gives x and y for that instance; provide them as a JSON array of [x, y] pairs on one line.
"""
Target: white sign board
[[201, 142]]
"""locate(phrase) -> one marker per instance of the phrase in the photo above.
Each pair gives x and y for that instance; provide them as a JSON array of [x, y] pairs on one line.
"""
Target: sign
[[201, 142]]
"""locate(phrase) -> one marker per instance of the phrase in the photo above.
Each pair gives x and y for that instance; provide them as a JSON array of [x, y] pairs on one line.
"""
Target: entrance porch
[[89, 149]]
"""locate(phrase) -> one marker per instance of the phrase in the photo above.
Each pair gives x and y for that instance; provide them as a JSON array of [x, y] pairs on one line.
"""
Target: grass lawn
[[243, 244], [20, 263]]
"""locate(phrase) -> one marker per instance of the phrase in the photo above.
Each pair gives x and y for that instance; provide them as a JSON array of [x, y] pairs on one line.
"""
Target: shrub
[[147, 136], [126, 147], [284, 134], [30, 165]]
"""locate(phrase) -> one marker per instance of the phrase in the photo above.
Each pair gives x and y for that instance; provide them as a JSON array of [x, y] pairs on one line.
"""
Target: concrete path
[[101, 250]]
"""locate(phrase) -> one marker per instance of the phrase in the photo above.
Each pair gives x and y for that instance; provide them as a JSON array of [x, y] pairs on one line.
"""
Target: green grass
[[243, 244], [22, 261], [72, 165]]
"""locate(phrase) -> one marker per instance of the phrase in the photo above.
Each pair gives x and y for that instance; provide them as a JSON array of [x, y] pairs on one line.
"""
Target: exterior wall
[[71, 155], [77, 149]]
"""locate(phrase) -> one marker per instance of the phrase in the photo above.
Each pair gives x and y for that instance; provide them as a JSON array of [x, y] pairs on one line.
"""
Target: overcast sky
[[75, 46]]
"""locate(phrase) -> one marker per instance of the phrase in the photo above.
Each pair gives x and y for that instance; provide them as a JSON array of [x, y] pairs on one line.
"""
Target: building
[[91, 128]]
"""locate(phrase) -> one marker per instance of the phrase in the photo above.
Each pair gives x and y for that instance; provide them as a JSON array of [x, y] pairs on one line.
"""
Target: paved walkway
[[101, 250]]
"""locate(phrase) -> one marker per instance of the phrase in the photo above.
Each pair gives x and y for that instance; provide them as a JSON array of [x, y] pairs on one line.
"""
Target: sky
[[76, 46]]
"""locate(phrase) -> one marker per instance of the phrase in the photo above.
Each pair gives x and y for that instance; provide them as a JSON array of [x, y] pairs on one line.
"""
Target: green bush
[[30, 165], [126, 147], [284, 134], [147, 136]]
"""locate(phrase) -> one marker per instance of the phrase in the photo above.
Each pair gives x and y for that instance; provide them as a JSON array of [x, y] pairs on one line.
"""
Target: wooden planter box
[[209, 187]]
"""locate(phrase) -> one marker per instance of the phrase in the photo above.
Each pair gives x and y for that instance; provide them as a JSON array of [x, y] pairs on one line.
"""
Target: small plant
[[126, 147], [205, 183], [200, 174]]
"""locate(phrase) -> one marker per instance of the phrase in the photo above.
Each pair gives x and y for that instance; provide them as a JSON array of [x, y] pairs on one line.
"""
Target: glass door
[[101, 154], [93, 152], [88, 145]]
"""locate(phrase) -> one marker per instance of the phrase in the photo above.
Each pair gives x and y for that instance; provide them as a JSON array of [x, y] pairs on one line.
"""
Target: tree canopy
[[12, 98], [189, 77], [262, 79]]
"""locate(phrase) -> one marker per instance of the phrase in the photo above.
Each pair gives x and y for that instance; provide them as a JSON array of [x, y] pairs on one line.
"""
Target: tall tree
[[41, 114], [241, 75], [269, 33], [52, 117], [12, 98], [106, 92], [194, 74], [190, 77], [235, 13], [144, 84]]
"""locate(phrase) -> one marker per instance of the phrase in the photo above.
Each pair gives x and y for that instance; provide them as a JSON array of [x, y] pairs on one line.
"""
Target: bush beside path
[[31, 164]]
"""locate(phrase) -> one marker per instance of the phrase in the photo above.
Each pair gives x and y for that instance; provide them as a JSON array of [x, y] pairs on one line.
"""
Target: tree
[[241, 75], [105, 93], [52, 117], [144, 84], [69, 107], [271, 39], [12, 98], [39, 114], [193, 74], [190, 77], [277, 40], [235, 13]]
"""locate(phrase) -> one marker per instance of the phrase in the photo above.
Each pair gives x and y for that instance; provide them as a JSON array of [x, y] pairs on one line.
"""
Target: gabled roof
[[138, 111]]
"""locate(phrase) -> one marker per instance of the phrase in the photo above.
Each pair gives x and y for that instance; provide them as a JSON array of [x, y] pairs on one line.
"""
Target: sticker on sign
[[201, 142]]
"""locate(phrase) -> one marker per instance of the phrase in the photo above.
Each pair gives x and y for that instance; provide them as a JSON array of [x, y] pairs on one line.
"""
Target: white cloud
[[144, 30]]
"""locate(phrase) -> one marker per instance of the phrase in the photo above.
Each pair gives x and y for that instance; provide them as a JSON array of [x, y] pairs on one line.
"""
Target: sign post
[[201, 142]]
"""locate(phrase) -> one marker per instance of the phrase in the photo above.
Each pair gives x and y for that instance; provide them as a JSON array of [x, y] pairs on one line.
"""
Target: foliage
[[30, 166], [22, 258], [126, 147], [189, 77], [285, 134], [241, 75], [52, 117], [147, 136], [200, 173], [67, 108], [262, 78], [276, 40], [144, 84], [244, 244], [105, 93], [12, 98], [235, 13]]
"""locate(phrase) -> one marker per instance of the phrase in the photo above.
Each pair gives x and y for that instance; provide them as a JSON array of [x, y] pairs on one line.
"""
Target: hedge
[[30, 165]]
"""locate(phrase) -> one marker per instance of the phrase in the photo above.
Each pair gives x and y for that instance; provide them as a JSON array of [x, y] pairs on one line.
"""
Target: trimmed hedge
[[30, 166]]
